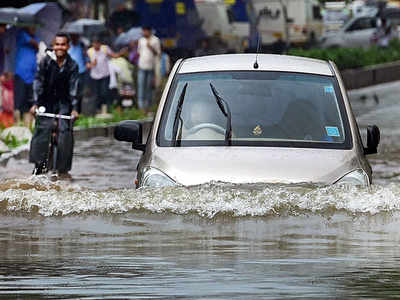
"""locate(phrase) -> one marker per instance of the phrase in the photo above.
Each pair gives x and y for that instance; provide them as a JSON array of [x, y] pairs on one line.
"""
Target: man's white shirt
[[147, 59]]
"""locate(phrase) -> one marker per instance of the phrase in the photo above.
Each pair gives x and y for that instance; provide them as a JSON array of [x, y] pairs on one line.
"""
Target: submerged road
[[380, 105]]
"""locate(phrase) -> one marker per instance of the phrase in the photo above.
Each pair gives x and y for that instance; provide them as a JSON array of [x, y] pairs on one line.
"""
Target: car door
[[359, 34]]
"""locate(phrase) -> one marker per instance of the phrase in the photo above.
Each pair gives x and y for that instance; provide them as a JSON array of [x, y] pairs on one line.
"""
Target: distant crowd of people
[[106, 76]]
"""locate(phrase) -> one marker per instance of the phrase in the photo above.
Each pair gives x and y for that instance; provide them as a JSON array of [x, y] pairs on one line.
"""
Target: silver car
[[360, 31], [245, 119], [357, 32]]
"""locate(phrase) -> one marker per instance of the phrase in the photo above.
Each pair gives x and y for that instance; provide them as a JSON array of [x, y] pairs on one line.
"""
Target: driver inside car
[[301, 121], [201, 121]]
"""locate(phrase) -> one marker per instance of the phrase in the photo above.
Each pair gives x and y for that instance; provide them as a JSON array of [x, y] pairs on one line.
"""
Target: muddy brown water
[[98, 238]]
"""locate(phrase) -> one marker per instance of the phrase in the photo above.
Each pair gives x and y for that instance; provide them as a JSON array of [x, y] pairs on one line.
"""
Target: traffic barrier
[[373, 75]]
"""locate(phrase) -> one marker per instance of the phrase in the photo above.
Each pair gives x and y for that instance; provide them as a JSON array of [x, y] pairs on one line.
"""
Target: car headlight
[[152, 177], [356, 177]]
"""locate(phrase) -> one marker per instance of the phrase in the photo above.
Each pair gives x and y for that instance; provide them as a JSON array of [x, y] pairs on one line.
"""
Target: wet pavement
[[380, 105], [98, 238]]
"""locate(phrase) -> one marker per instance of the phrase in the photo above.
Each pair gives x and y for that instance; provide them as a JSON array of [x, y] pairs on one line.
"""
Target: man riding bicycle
[[55, 88]]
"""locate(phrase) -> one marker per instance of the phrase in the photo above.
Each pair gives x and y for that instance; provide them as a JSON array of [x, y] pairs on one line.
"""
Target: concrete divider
[[363, 77]]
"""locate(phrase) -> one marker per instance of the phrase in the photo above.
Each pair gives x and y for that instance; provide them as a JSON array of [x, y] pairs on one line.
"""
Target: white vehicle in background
[[217, 21], [335, 14], [359, 8], [304, 20], [359, 31], [304, 16], [214, 16]]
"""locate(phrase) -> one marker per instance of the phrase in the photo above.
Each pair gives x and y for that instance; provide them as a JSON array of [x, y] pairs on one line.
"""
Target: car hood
[[196, 165]]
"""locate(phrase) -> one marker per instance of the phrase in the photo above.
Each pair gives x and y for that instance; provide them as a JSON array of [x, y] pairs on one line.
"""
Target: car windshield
[[254, 109]]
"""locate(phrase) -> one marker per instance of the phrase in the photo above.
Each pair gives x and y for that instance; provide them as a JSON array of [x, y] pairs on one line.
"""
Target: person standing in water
[[149, 49]]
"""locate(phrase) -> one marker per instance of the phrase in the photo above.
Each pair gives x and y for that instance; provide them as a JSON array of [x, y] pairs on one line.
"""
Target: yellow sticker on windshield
[[257, 130]]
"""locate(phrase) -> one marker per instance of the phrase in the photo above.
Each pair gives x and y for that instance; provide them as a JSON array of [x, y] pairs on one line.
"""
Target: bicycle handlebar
[[49, 115]]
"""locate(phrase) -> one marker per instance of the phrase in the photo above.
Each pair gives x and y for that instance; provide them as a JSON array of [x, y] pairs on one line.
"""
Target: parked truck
[[226, 19], [294, 21], [303, 22]]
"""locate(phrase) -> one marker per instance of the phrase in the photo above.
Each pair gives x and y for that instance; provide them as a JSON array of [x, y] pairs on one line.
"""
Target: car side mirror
[[373, 139], [130, 131]]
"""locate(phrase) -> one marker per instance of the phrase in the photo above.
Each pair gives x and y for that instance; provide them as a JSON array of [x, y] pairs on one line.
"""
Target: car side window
[[317, 12], [362, 24]]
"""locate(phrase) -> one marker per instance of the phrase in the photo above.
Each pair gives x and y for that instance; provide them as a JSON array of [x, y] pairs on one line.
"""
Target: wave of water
[[39, 196]]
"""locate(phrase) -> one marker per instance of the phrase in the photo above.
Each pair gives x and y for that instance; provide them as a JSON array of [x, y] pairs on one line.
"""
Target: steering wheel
[[200, 126]]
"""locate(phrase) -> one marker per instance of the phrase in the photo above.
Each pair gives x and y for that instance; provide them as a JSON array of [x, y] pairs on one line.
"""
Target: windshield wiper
[[178, 118], [224, 107]]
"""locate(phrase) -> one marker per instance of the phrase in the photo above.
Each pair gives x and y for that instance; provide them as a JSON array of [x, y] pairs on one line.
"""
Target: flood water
[[98, 238]]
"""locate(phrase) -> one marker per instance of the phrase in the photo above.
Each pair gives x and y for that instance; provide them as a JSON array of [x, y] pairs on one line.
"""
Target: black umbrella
[[8, 15], [46, 15], [125, 38]]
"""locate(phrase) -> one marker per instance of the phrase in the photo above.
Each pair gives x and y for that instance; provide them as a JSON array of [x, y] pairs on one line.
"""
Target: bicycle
[[51, 162]]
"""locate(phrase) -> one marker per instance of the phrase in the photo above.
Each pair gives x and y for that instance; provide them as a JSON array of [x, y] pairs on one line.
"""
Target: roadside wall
[[363, 77]]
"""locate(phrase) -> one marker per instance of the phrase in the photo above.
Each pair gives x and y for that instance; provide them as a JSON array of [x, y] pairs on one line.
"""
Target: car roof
[[245, 62]]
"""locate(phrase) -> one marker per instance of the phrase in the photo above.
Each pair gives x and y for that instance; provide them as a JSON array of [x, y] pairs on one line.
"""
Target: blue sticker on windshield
[[329, 89], [332, 131]]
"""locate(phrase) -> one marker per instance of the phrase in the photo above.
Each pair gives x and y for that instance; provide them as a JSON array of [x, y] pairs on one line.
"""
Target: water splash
[[38, 195]]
